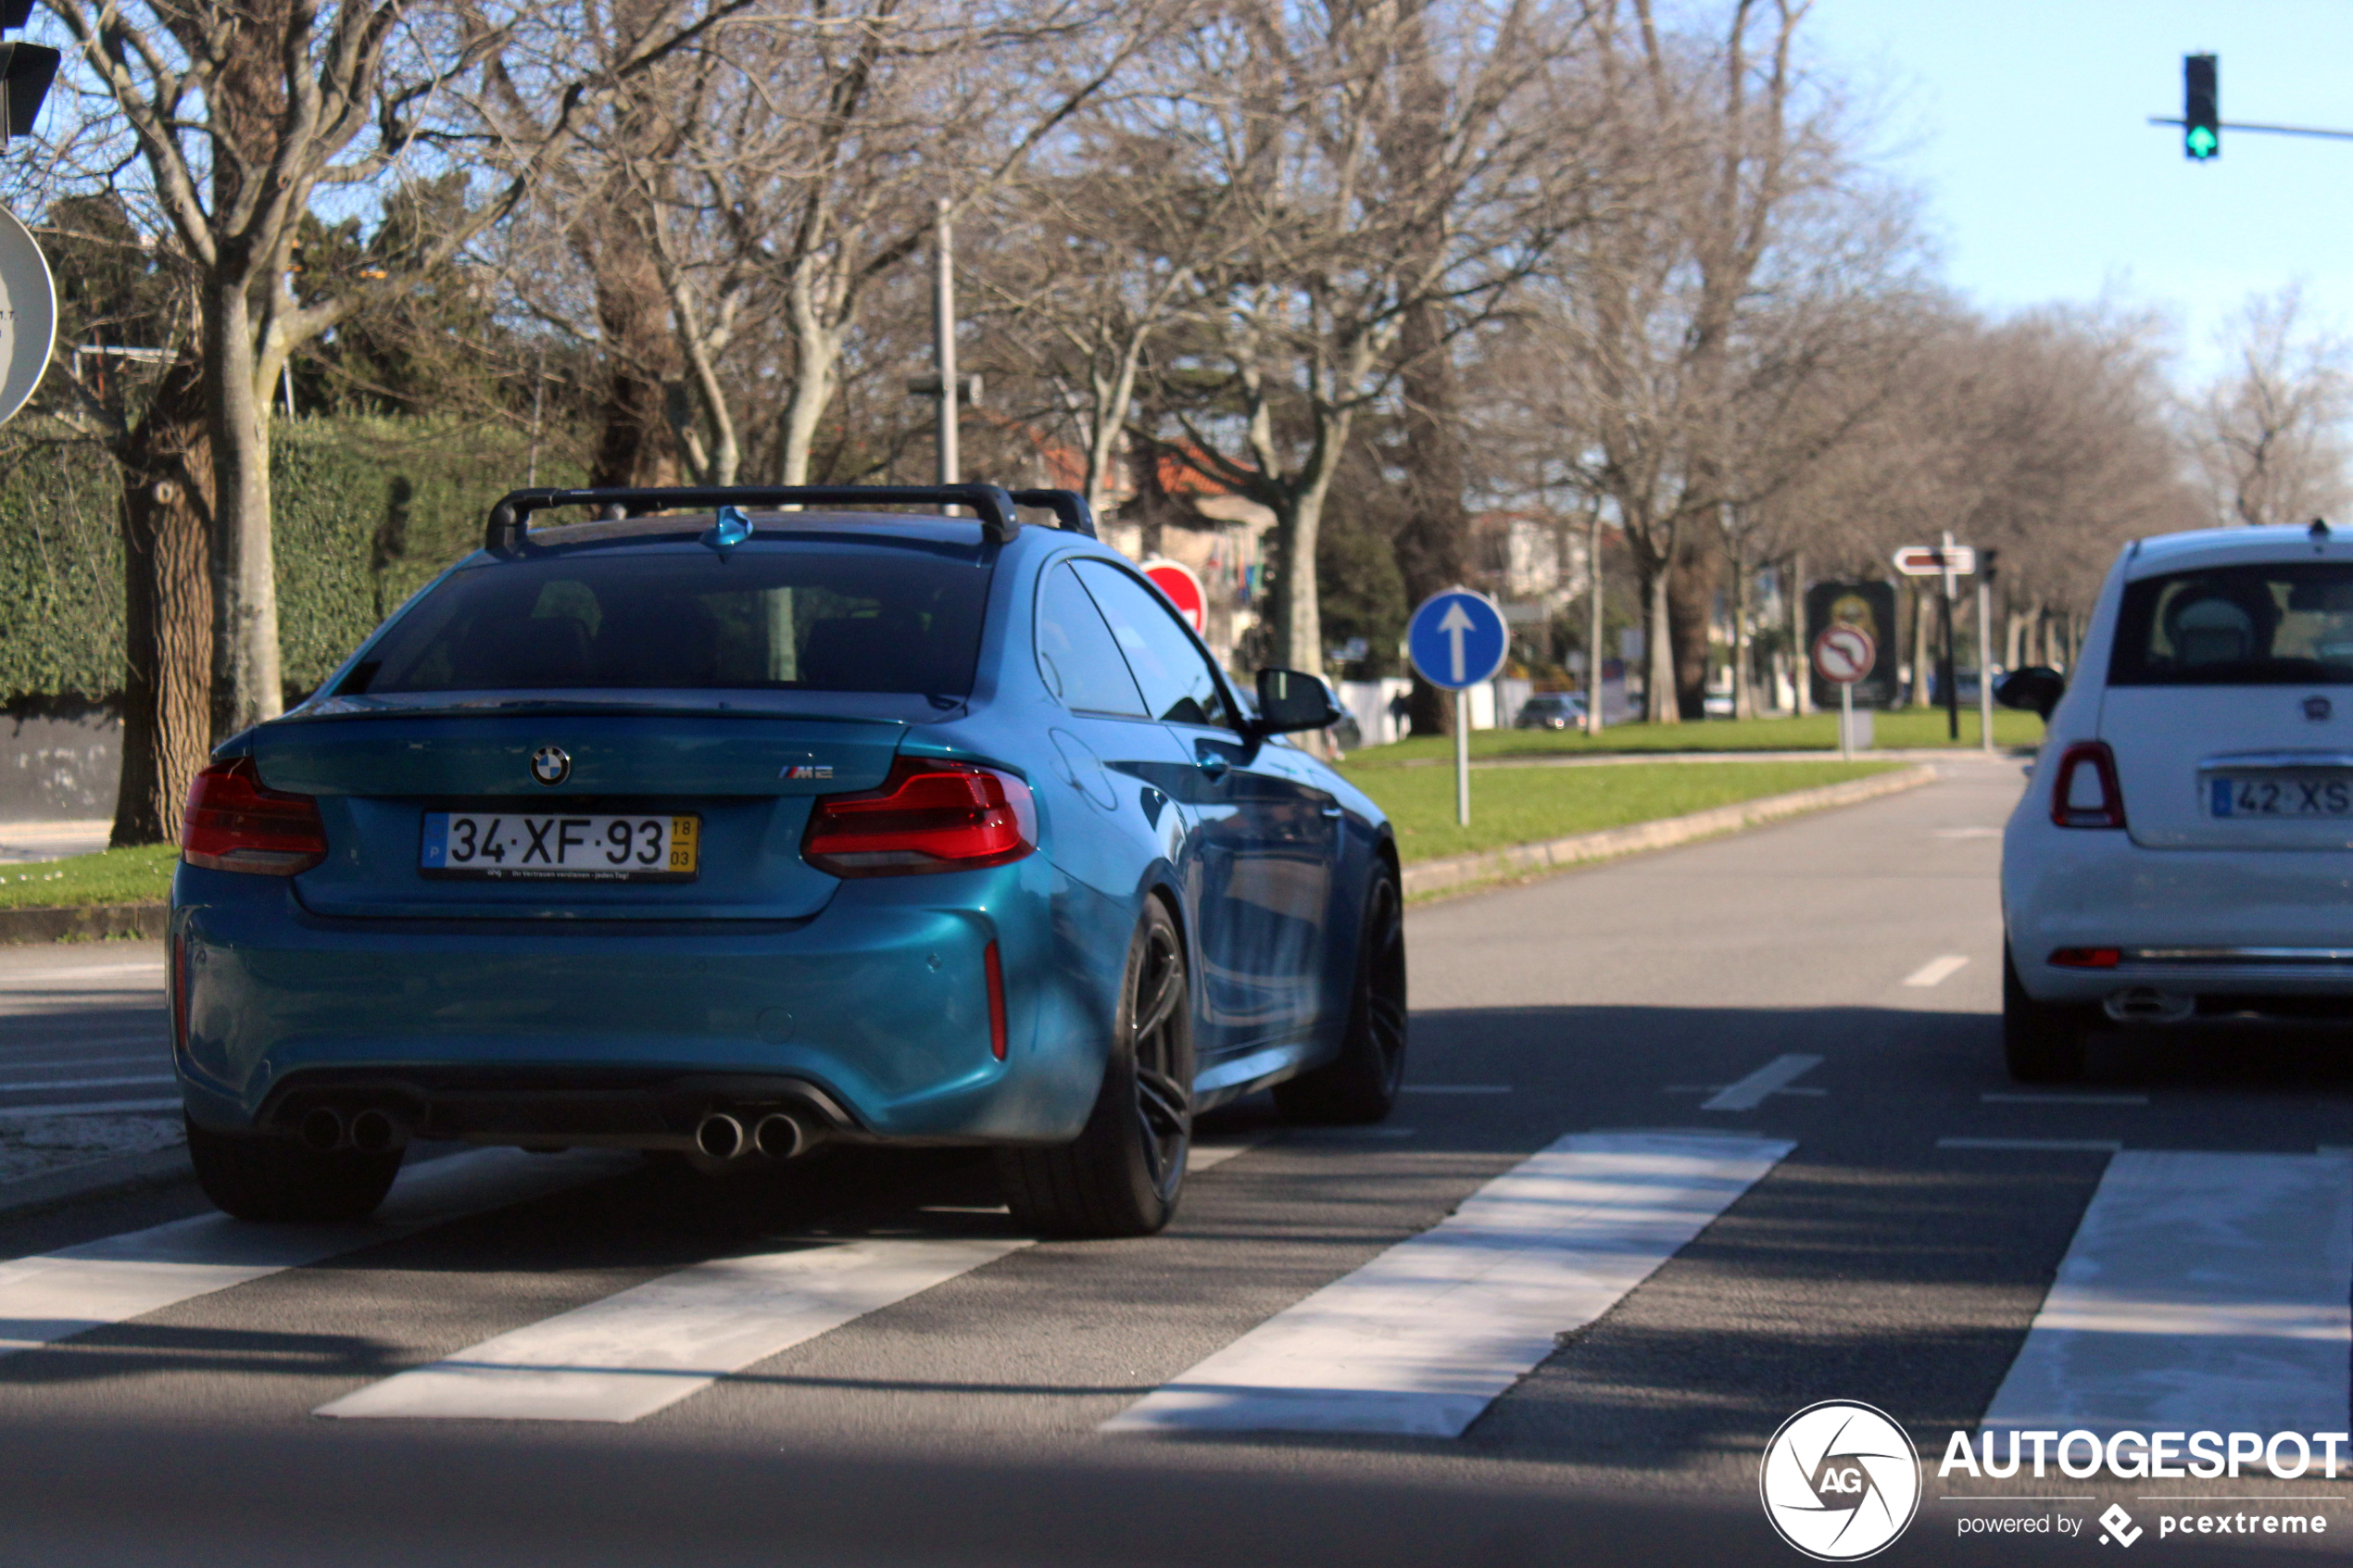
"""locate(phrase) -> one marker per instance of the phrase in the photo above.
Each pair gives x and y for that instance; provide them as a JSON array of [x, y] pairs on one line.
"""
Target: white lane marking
[[1458, 1088], [1423, 1338], [83, 1083], [2070, 1145], [90, 1108], [1208, 1156], [59, 1294], [2201, 1290], [631, 1354], [1937, 971], [1966, 832], [1751, 1091], [2061, 1098]]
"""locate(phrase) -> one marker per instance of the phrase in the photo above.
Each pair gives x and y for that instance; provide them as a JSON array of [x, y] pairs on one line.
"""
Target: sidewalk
[[25, 842]]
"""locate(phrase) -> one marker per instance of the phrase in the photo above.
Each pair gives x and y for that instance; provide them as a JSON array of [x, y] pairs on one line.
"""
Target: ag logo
[[1839, 1481], [551, 765]]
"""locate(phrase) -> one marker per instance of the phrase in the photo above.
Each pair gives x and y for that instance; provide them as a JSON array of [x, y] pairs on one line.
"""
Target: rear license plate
[[518, 847], [2298, 793]]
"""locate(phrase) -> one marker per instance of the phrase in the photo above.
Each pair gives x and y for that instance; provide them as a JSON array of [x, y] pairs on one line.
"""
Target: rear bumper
[[2190, 922], [873, 1014]]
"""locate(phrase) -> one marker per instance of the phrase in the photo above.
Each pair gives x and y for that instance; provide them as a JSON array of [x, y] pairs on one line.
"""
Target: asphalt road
[[1808, 1012]]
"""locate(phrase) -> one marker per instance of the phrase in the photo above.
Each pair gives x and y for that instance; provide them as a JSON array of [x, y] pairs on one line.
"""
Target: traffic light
[[2201, 109], [26, 71]]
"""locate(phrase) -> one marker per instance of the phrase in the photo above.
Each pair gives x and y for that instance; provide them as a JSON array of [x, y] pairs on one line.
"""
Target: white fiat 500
[[2184, 849]]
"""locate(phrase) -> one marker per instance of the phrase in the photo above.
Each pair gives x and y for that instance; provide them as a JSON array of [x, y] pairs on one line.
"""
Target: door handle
[[1333, 811]]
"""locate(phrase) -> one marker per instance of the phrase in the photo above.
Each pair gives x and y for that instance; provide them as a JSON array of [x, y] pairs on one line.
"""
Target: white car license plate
[[516, 847], [2299, 794]]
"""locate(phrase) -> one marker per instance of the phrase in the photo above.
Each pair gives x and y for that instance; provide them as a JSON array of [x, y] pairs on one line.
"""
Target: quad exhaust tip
[[780, 1136], [320, 1130], [720, 1135], [375, 1131]]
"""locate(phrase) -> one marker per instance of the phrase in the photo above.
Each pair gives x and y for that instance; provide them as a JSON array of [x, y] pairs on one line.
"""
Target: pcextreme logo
[[1839, 1481]]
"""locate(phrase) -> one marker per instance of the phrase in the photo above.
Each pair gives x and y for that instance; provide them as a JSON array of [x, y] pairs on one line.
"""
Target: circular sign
[[1839, 1481], [1457, 638], [28, 315], [1175, 580], [1843, 655]]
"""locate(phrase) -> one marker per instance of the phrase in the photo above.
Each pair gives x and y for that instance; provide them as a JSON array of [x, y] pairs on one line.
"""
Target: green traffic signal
[[2201, 143], [2201, 108]]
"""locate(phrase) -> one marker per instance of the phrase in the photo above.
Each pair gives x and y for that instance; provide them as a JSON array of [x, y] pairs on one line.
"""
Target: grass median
[[112, 876], [1903, 729], [1529, 804]]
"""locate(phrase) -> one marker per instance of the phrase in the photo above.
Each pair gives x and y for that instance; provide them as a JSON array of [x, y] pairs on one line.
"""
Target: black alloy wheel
[[2042, 1042], [1123, 1172], [258, 1176], [1360, 1084]]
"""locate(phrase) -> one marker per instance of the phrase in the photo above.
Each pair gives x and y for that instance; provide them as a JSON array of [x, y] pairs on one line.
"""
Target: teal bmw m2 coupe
[[731, 822]]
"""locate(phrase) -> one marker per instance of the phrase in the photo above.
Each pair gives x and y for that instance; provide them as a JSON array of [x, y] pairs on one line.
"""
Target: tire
[[1360, 1084], [258, 1178], [1123, 1172], [2042, 1042]]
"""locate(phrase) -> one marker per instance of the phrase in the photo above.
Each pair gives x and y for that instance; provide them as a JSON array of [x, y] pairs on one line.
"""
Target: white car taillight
[[2084, 790]]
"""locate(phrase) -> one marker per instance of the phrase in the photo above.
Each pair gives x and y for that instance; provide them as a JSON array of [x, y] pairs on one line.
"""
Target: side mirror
[[2036, 689], [1290, 699]]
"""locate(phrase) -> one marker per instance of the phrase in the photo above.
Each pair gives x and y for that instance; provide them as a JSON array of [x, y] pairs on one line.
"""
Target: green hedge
[[366, 510]]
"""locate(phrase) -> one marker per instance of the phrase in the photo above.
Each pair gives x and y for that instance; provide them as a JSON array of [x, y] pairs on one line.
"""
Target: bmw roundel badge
[[551, 765]]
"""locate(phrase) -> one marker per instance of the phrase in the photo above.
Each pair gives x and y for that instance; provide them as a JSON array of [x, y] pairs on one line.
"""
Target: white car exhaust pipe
[[2143, 1004]]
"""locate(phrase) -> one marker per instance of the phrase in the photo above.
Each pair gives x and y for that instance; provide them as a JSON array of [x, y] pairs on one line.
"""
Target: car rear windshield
[[904, 618], [2284, 624]]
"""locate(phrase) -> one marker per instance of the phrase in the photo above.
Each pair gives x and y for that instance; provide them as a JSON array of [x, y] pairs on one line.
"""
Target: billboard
[[1870, 606]]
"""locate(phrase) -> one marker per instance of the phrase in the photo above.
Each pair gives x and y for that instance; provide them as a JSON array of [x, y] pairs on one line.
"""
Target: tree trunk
[[167, 629], [1743, 685], [1691, 595], [813, 388], [1432, 545], [246, 685], [1923, 646], [1801, 657], [635, 445], [1659, 703]]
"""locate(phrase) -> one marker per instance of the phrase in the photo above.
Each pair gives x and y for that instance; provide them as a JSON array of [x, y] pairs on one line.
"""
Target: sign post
[[1457, 639], [1843, 655], [1952, 562]]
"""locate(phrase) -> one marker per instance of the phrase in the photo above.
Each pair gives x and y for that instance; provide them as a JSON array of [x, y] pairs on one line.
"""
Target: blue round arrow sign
[[1457, 639]]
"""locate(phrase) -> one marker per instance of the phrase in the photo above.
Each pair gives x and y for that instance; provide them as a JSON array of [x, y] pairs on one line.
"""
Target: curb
[[1438, 876], [82, 922], [120, 1173]]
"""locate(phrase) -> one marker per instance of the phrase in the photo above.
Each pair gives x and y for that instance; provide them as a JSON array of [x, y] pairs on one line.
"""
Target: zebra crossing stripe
[[2200, 1291], [57, 1295], [631, 1353], [1420, 1340]]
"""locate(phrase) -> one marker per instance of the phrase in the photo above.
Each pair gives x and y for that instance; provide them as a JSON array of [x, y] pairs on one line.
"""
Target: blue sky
[[2024, 127]]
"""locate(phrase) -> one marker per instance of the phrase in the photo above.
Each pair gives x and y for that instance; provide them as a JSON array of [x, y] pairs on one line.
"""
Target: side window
[[1076, 654], [1177, 682]]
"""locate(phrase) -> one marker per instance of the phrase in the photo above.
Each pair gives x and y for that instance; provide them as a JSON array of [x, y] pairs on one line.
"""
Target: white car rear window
[[2289, 624]]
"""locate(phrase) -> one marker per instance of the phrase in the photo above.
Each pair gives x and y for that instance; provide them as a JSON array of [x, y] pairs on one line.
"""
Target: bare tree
[[244, 116], [2268, 432]]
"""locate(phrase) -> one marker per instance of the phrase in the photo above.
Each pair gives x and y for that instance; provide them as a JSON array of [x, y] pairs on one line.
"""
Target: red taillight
[[995, 970], [927, 817], [2086, 958], [236, 824], [2084, 790]]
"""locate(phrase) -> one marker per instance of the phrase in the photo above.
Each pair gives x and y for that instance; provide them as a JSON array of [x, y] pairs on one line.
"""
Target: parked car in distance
[[722, 833], [1551, 710], [2185, 845]]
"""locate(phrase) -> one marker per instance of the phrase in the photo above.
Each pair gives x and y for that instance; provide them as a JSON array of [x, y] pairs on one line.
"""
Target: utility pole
[[1985, 651], [943, 338]]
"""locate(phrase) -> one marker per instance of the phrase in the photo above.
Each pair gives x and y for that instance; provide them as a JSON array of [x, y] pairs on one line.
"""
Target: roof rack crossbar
[[510, 519], [1069, 505]]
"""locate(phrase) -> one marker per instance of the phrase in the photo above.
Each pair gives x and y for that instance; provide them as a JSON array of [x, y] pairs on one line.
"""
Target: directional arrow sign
[[1931, 560], [1457, 639], [1843, 655]]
